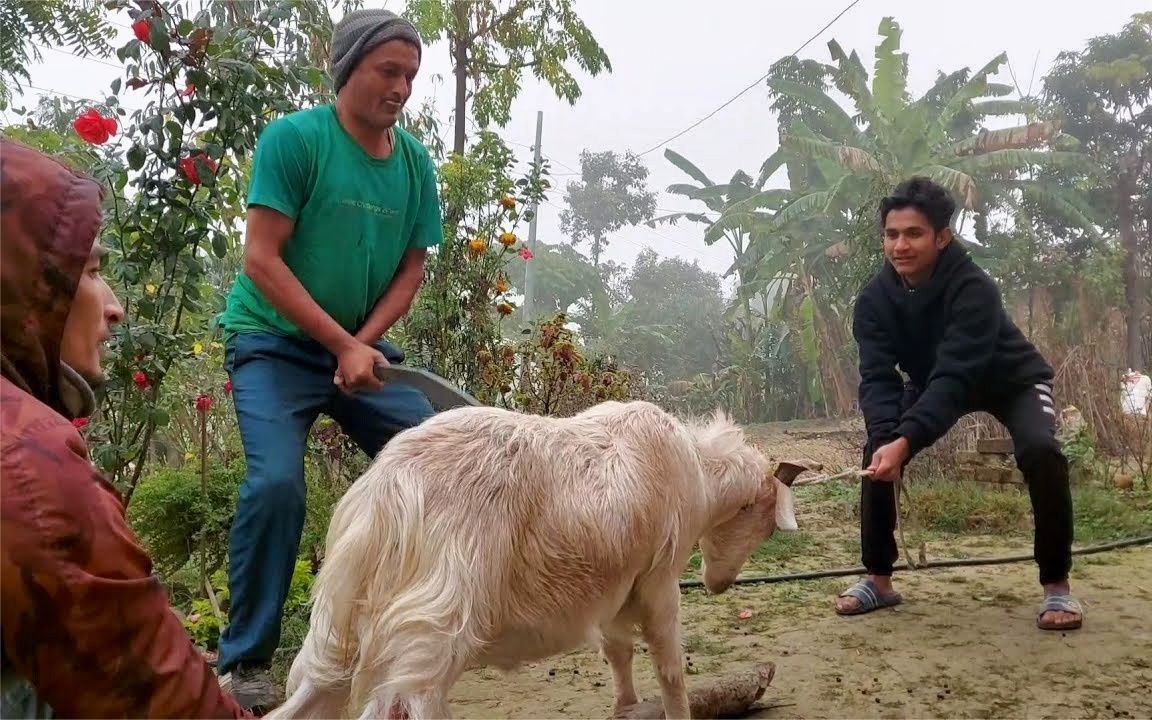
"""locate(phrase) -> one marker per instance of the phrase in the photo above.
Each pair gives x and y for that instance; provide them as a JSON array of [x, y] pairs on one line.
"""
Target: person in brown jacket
[[86, 627]]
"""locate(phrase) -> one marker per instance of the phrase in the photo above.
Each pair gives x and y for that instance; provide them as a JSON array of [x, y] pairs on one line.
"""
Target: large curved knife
[[442, 394]]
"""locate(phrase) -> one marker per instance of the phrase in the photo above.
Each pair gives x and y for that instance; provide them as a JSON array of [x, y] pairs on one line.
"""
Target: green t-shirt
[[355, 217]]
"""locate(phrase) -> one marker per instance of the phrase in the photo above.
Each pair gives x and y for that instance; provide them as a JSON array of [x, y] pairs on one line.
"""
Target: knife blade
[[442, 394]]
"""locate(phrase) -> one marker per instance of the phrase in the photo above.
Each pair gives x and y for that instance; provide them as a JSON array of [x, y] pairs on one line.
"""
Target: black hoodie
[[954, 340]]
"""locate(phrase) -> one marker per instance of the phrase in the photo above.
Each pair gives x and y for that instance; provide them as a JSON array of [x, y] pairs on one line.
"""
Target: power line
[[754, 84], [78, 57], [75, 97]]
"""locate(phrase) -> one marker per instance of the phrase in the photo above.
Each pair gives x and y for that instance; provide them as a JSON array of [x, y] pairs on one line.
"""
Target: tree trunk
[[460, 41], [1134, 291]]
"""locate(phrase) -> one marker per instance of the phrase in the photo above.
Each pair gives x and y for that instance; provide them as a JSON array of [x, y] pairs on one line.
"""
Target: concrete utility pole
[[530, 267]]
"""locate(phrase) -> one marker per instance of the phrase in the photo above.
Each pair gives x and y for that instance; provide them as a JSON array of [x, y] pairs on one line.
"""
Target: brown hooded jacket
[[86, 627]]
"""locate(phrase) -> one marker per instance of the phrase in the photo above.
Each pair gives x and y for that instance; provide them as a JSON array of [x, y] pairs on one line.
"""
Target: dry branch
[[731, 697]]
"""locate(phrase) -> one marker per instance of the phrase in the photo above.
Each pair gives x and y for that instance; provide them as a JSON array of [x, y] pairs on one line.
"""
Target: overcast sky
[[676, 61]]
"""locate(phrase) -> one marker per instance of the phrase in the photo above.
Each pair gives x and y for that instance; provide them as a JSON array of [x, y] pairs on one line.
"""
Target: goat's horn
[[788, 470]]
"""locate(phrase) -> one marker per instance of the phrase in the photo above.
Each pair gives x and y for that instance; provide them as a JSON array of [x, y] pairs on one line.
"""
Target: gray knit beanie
[[359, 32]]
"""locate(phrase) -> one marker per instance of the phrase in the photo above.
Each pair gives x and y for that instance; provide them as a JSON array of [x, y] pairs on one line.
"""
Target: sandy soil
[[963, 645]]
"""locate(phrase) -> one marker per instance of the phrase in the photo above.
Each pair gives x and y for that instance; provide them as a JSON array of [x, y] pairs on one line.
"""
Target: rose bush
[[205, 82]]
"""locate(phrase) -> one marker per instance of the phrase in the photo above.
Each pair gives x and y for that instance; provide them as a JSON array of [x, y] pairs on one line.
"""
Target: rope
[[900, 492], [899, 497], [959, 562]]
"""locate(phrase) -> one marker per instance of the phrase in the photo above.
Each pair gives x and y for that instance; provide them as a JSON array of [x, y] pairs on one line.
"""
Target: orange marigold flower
[[508, 202], [501, 285], [504, 308], [507, 239], [477, 246]]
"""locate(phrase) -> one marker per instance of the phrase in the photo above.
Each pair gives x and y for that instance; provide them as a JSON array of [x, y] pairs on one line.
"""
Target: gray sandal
[[870, 598], [1060, 603]]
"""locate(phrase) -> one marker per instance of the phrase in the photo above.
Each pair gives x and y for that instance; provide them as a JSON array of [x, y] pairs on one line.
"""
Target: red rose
[[94, 127], [79, 423], [189, 91], [203, 403], [227, 387], [142, 29], [525, 253], [188, 167], [140, 378]]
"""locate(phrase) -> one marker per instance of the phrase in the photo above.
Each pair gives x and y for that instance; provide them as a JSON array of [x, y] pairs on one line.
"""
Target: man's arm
[[84, 618], [881, 387], [963, 355], [281, 174], [397, 299]]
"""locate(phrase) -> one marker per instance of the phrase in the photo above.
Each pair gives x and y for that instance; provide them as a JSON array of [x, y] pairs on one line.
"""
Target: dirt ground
[[963, 645]]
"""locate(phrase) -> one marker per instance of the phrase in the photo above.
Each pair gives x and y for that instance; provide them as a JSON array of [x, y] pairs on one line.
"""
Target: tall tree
[[28, 25], [888, 136], [612, 192], [564, 278], [668, 323], [1102, 95], [492, 43]]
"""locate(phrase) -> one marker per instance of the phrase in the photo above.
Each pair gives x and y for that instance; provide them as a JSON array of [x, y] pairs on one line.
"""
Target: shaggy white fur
[[485, 537]]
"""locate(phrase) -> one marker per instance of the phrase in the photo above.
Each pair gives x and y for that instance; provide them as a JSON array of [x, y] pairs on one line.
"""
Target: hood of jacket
[[50, 215]]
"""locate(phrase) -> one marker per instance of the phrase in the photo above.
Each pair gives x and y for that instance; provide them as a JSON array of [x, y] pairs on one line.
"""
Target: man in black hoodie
[[935, 315]]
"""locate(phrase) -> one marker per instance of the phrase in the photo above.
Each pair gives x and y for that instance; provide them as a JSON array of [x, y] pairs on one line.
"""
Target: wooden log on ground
[[731, 697]]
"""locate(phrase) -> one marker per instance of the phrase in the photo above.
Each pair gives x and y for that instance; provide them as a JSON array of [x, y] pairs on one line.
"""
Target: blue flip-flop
[[1060, 603], [870, 598]]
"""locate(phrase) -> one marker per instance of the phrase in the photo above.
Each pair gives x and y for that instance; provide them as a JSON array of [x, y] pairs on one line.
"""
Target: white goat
[[485, 537]]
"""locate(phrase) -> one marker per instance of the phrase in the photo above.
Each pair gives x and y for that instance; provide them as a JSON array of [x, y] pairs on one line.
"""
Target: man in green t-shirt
[[342, 209]]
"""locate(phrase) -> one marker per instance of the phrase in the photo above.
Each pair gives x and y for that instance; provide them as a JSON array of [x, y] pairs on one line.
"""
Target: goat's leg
[[424, 696], [306, 697], [618, 644], [660, 626], [310, 701]]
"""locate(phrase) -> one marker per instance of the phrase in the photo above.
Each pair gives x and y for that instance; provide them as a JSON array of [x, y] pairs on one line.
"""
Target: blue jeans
[[280, 385]]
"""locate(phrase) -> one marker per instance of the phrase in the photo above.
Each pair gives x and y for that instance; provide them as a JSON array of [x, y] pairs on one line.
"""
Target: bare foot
[[1059, 619]]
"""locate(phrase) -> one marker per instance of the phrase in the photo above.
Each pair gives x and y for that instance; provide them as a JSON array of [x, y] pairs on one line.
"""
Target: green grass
[[965, 508], [781, 546], [1104, 515]]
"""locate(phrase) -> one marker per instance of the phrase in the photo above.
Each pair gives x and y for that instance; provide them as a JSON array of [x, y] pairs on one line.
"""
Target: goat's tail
[[393, 597]]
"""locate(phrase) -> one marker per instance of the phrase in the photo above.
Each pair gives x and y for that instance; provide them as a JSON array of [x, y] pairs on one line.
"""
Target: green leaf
[[116, 86], [136, 157], [1062, 201], [890, 76], [160, 417], [976, 86], [828, 109], [1023, 136], [684, 164], [220, 246], [1001, 161], [851, 158], [774, 162], [959, 183]]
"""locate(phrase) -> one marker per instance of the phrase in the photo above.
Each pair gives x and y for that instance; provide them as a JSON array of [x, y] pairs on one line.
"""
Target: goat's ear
[[785, 508]]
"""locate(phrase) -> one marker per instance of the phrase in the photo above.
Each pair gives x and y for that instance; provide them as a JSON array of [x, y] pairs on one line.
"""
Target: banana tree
[[722, 200], [887, 136]]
